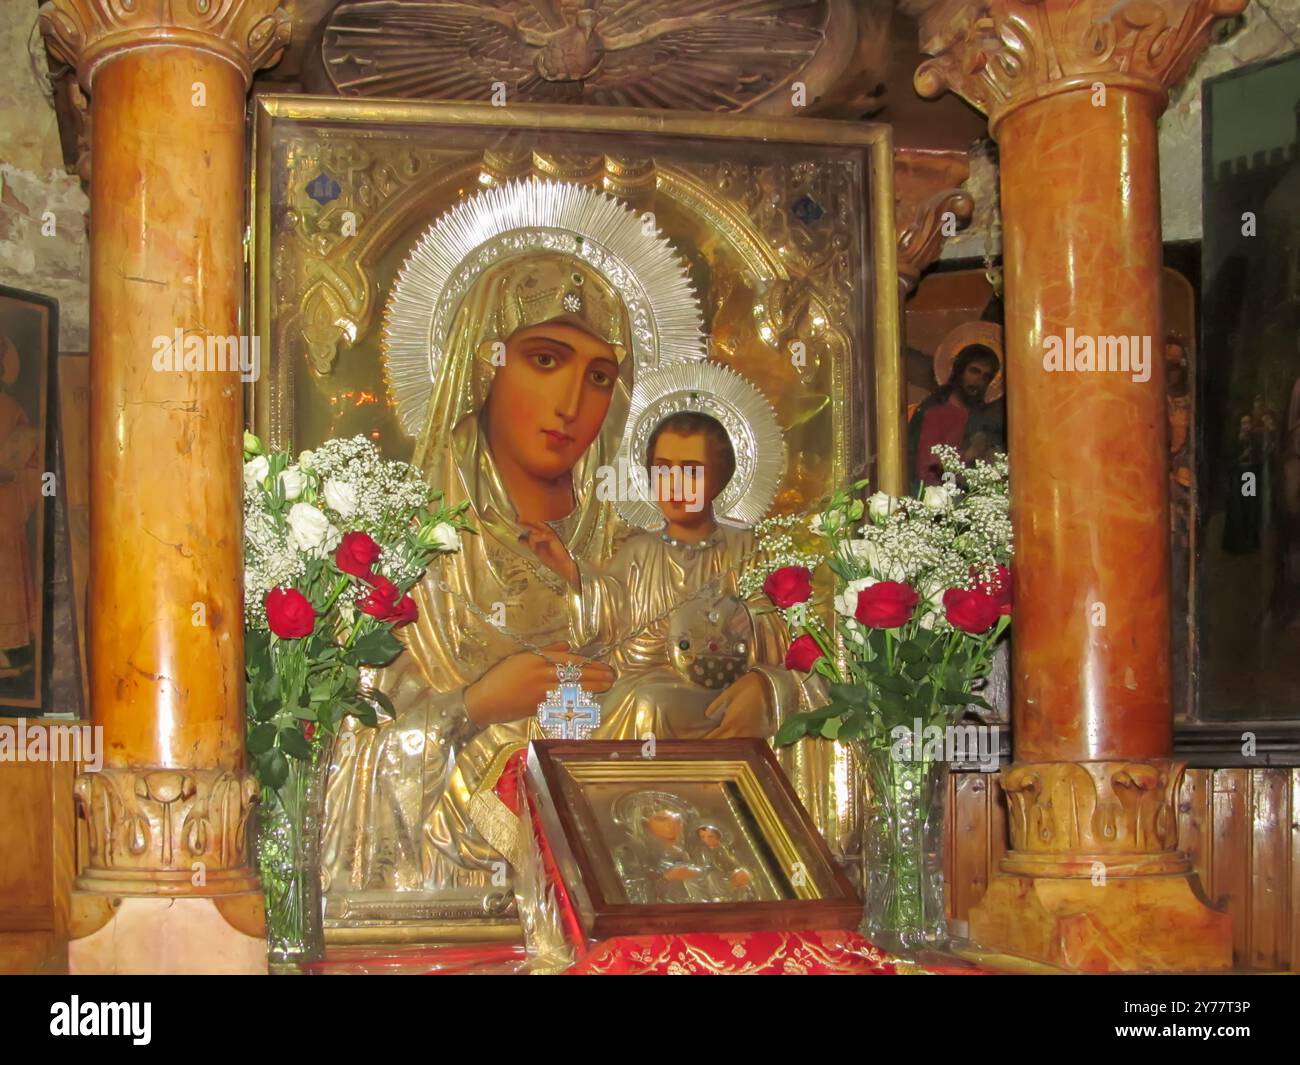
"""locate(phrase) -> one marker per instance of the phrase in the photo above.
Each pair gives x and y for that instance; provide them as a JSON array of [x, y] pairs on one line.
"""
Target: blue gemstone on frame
[[807, 210], [324, 189]]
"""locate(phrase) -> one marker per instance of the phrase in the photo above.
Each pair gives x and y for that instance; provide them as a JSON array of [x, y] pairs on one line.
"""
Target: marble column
[[1073, 88], [167, 884]]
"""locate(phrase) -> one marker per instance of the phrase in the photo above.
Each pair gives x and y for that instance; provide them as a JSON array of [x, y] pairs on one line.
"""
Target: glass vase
[[288, 861], [903, 852]]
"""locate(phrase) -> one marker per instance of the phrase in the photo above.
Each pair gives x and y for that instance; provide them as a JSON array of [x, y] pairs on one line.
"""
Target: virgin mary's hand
[[745, 707], [512, 689]]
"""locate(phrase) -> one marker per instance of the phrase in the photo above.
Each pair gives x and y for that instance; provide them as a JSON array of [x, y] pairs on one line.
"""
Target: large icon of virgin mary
[[514, 338]]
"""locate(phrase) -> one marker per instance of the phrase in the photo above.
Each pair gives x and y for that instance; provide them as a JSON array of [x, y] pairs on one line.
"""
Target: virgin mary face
[[549, 398]]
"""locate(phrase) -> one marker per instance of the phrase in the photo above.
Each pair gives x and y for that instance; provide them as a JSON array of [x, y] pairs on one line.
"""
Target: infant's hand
[[550, 551]]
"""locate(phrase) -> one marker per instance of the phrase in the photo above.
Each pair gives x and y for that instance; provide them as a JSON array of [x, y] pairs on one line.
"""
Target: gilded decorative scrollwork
[[999, 54], [1092, 808], [151, 829], [249, 33]]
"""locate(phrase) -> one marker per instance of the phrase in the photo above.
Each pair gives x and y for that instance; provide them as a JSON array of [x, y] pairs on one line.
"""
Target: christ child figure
[[689, 656]]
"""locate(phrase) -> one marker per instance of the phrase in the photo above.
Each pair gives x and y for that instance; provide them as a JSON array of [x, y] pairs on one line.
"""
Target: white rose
[[255, 471], [446, 537], [292, 482], [310, 531], [937, 497], [846, 603], [304, 460], [880, 506], [341, 497]]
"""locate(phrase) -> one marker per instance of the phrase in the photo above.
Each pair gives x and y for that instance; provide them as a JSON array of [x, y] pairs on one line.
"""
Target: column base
[[1139, 924], [115, 935]]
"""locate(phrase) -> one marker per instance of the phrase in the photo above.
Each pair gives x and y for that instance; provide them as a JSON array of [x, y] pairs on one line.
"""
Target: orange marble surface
[[167, 628], [1081, 217]]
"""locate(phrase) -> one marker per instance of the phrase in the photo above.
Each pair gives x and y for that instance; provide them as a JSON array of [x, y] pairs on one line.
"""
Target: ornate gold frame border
[[887, 389]]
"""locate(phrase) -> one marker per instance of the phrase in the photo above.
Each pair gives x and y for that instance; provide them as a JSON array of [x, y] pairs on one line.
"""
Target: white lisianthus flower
[[932, 591], [846, 603], [446, 537], [341, 497], [815, 526], [879, 506], [309, 530], [304, 460], [937, 497], [867, 553], [292, 482], [255, 471], [252, 445]]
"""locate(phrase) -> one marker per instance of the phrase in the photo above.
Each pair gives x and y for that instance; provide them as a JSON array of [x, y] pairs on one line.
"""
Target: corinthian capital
[[83, 33], [1000, 54]]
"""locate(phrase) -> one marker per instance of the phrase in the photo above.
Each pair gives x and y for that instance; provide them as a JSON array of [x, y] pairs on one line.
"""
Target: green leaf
[[892, 682], [295, 743], [853, 727], [261, 739], [375, 648], [911, 651], [257, 652], [852, 694], [792, 728], [305, 713], [831, 728], [275, 768], [385, 703], [895, 710], [363, 712], [949, 697]]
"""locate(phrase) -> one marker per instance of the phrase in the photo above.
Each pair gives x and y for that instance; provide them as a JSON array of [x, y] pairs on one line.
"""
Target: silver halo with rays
[[523, 216], [717, 390]]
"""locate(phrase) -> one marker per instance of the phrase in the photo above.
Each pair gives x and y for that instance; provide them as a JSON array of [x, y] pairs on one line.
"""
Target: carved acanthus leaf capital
[[83, 33], [166, 831], [1076, 818], [1001, 54]]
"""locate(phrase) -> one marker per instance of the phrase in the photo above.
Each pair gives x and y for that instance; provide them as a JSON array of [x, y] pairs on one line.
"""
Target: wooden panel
[[1270, 838], [1230, 870], [37, 862], [26, 860], [1293, 903], [968, 872], [31, 952], [1195, 815], [1240, 827]]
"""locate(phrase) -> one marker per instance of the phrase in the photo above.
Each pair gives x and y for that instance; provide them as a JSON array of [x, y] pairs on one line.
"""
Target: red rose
[[803, 654], [405, 611], [357, 554], [289, 613], [999, 588], [973, 611], [308, 730], [789, 586], [886, 604], [381, 600], [386, 603]]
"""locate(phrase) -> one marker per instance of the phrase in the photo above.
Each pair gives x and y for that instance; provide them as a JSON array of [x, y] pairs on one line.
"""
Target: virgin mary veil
[[397, 802]]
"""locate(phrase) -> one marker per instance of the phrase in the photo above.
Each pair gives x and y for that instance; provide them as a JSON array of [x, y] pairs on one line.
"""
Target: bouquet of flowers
[[922, 595], [333, 542]]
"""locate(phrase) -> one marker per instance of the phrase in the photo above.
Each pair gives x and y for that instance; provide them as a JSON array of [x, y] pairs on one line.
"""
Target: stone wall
[[43, 248], [43, 245]]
